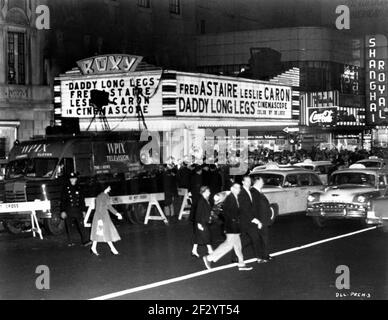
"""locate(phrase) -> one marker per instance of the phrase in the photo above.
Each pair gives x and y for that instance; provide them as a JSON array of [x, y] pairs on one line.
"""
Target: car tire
[[55, 225], [320, 222], [15, 227], [275, 212]]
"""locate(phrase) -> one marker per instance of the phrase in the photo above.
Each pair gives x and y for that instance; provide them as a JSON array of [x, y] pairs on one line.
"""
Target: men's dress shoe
[[71, 244], [261, 260], [244, 267], [207, 263]]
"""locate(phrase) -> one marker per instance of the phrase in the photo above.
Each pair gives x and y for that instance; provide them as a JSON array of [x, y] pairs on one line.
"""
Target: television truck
[[37, 169]]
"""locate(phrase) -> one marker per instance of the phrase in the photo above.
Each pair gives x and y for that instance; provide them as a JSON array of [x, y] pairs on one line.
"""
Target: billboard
[[126, 92], [218, 97], [322, 116], [376, 80]]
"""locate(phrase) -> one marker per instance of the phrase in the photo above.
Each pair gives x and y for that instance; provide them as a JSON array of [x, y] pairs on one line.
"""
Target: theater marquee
[[125, 93], [219, 97]]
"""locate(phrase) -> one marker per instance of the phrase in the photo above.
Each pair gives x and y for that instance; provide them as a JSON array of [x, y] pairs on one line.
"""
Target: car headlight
[[312, 198], [361, 199]]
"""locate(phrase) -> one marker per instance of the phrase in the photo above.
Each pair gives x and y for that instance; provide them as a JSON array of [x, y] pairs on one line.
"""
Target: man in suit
[[231, 210], [263, 213], [249, 221]]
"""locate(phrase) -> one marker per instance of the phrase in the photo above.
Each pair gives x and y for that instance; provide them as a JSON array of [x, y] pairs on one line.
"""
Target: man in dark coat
[[231, 210], [249, 222], [263, 213], [195, 186], [170, 190], [73, 209], [183, 176], [215, 181]]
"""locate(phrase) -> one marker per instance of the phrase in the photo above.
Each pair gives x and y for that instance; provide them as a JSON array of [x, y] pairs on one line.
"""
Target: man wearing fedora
[[73, 209]]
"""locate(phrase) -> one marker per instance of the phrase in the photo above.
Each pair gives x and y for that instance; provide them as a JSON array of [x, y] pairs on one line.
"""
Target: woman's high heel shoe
[[94, 252], [116, 253], [195, 254]]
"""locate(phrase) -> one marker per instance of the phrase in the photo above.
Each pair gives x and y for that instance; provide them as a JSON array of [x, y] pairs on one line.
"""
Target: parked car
[[286, 188], [322, 168], [350, 195], [373, 162]]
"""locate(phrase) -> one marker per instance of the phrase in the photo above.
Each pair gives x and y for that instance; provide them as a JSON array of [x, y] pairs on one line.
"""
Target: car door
[[292, 193], [380, 204]]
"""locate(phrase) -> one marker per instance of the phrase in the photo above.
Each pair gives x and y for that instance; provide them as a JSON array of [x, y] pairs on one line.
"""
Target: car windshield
[[371, 164], [36, 168], [271, 179], [360, 178]]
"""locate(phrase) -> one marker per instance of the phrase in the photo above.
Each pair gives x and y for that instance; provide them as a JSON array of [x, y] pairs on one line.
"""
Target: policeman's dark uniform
[[73, 203]]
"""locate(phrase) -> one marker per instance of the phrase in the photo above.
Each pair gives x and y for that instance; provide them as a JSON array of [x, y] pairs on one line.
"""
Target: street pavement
[[154, 253]]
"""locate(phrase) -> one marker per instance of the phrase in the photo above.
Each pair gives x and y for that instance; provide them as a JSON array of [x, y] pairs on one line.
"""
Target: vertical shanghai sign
[[376, 80]]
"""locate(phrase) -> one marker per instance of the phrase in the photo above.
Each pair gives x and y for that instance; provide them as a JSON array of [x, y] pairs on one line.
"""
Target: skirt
[[107, 232], [202, 237]]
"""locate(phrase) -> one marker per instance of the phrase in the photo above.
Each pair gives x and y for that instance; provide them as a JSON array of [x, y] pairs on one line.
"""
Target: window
[[83, 166], [175, 6], [144, 3], [304, 180], [3, 143], [291, 181], [271, 180], [16, 58], [315, 181]]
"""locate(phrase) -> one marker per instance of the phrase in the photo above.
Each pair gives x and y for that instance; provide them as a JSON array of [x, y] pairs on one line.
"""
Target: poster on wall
[[219, 97], [126, 92]]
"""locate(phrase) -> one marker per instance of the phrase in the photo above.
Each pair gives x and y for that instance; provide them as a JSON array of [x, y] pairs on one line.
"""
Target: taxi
[[373, 162], [357, 192], [285, 186], [322, 168]]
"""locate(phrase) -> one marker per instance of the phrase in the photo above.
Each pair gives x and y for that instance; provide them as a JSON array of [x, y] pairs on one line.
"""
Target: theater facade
[[174, 103]]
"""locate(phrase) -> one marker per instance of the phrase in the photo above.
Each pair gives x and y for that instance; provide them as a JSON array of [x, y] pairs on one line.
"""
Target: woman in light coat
[[103, 229]]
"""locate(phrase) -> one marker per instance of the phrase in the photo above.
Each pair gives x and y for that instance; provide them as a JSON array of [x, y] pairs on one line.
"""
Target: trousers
[[75, 217], [232, 241]]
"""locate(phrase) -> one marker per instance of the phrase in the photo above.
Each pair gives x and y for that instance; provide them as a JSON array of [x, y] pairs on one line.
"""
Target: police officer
[[73, 209]]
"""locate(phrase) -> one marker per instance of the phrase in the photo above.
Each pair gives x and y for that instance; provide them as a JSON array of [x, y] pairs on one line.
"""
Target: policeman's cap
[[73, 175]]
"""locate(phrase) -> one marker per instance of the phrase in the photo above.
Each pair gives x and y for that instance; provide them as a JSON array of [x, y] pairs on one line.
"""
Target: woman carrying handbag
[[103, 229], [202, 217]]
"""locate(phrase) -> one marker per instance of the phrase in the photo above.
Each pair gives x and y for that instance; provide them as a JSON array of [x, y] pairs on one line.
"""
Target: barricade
[[22, 208], [152, 199], [186, 202]]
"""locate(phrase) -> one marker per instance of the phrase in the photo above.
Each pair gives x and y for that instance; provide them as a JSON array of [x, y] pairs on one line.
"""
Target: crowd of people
[[246, 210]]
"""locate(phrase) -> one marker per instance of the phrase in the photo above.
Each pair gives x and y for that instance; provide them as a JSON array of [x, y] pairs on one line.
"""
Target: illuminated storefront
[[331, 119]]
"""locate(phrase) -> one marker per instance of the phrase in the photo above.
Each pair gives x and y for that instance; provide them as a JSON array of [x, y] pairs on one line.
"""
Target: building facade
[[25, 99], [329, 62]]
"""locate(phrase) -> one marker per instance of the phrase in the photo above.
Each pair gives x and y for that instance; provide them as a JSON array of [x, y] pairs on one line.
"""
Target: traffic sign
[[288, 130]]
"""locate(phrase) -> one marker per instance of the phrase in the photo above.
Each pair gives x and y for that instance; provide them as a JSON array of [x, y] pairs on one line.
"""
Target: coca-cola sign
[[322, 116]]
